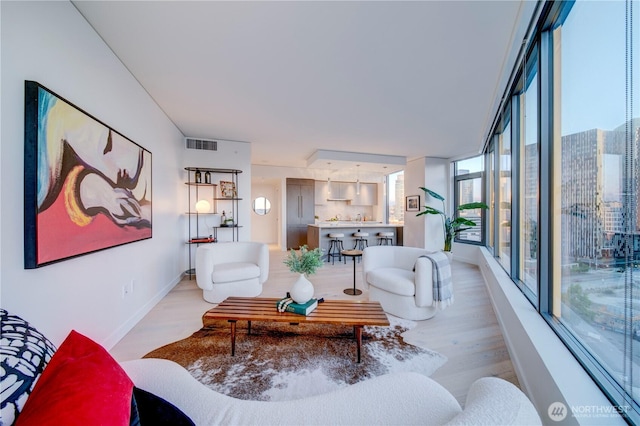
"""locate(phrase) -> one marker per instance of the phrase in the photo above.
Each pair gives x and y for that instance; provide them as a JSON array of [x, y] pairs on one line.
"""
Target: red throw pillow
[[81, 385]]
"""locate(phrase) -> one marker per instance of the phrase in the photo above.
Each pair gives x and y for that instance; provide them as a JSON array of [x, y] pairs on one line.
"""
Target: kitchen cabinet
[[300, 210], [346, 191], [321, 192], [342, 191], [368, 195]]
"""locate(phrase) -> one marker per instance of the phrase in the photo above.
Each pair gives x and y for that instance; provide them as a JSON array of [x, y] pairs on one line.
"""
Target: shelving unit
[[203, 227]]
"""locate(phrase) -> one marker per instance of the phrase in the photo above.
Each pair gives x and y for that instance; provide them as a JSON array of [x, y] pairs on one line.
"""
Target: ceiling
[[410, 79]]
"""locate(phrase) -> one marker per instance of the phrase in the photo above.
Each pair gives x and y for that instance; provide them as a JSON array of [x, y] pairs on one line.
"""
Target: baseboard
[[137, 316]]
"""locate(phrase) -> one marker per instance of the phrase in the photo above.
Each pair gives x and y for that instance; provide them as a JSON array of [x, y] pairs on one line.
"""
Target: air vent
[[207, 145]]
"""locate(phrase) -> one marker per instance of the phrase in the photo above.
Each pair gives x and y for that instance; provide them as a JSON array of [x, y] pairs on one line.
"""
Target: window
[[395, 197], [529, 176], [563, 181], [490, 190], [597, 167], [504, 194], [469, 188]]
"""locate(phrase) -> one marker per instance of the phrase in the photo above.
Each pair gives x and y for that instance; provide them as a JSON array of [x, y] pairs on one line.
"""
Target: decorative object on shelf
[[78, 199], [451, 226], [225, 221], [228, 189], [304, 262], [198, 177], [412, 203], [207, 177], [203, 206], [208, 239]]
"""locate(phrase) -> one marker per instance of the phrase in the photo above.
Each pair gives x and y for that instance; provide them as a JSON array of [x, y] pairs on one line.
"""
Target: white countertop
[[353, 224]]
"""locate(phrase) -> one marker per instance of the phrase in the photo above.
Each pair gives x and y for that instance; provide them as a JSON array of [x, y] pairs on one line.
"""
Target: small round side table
[[353, 254]]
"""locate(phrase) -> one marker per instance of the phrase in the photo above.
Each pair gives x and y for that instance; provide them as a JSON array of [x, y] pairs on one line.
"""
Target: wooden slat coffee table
[[340, 312]]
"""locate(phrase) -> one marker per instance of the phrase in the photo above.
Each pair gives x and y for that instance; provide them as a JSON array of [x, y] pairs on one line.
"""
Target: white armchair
[[231, 269], [389, 276]]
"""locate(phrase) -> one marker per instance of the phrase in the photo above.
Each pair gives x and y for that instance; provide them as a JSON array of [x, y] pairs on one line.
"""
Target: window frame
[[540, 42], [457, 178]]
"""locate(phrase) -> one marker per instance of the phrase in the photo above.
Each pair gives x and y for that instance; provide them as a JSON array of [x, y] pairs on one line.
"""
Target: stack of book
[[288, 305], [202, 240]]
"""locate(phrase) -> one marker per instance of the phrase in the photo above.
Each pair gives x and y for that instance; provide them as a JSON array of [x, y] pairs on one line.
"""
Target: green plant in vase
[[304, 262], [451, 225]]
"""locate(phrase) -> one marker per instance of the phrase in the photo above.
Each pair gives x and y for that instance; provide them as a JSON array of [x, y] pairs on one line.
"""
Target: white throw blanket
[[442, 282]]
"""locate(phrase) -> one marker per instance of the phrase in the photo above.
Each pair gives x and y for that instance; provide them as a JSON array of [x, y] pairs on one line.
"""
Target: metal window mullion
[[545, 176], [496, 197], [515, 187]]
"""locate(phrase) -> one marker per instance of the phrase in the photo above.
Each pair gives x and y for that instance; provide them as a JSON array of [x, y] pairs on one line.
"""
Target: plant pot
[[449, 255], [302, 290]]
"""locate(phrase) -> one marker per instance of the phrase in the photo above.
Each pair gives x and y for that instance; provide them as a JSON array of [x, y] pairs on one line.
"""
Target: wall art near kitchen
[[412, 203], [86, 186]]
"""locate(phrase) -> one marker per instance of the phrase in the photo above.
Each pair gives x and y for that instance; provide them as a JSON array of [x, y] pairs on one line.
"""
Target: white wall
[[432, 173], [230, 155], [264, 228], [51, 43]]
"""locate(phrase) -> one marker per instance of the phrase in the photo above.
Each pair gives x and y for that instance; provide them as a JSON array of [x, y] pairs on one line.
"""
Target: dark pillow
[[24, 352], [153, 410], [82, 385]]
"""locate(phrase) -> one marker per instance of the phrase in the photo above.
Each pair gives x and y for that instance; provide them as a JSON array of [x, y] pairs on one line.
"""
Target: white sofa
[[85, 385], [388, 272], [231, 269], [392, 399]]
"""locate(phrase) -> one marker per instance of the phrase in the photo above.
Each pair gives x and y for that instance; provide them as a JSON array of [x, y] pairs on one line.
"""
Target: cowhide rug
[[279, 361]]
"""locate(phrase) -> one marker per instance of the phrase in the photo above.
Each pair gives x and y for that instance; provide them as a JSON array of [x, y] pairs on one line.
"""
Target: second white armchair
[[231, 269], [391, 279]]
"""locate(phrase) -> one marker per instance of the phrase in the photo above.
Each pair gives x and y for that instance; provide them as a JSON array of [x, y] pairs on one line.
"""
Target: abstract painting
[[86, 186]]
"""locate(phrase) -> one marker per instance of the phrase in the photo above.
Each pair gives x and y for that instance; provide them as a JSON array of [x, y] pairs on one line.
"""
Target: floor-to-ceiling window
[[395, 197], [491, 199], [468, 183], [504, 192], [594, 270], [563, 171], [529, 174]]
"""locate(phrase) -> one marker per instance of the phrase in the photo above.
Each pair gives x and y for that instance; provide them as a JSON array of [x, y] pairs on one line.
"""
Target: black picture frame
[[412, 203], [86, 186]]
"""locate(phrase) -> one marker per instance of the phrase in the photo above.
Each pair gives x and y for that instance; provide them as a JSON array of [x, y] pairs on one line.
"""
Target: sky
[[593, 66]]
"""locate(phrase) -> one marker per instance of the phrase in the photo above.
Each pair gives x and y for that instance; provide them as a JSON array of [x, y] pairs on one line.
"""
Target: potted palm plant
[[304, 262], [451, 225]]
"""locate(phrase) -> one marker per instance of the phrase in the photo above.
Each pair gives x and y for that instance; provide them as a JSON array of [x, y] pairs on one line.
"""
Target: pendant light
[[357, 180]]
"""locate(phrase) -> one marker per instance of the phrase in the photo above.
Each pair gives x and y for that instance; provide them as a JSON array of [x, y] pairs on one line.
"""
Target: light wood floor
[[467, 332]]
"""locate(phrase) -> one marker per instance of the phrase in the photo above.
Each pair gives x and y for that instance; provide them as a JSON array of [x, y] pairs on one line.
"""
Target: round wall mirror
[[261, 205]]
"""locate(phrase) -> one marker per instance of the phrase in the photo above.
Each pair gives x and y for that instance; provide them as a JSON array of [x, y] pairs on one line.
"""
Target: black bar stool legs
[[335, 248]]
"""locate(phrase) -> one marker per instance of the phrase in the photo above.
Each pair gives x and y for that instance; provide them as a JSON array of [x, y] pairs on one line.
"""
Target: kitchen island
[[318, 234]]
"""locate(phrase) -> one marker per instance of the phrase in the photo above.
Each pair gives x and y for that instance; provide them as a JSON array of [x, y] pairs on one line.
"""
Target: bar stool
[[335, 247], [385, 238], [360, 240]]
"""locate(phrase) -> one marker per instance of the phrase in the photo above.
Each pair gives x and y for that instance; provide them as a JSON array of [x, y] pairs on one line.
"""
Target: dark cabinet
[[300, 210]]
